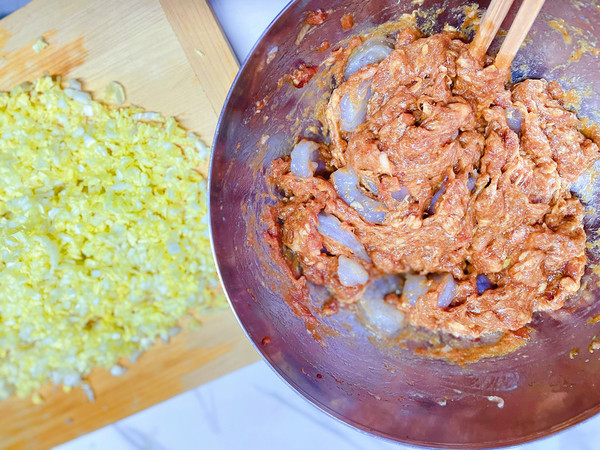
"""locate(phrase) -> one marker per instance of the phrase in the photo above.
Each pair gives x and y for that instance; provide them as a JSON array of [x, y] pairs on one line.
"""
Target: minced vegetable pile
[[103, 233]]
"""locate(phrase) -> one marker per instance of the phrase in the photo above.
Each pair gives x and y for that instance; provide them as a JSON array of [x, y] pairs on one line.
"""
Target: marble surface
[[252, 408]]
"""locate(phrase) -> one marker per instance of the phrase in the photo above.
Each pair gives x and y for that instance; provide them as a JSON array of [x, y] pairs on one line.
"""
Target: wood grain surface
[[171, 57]]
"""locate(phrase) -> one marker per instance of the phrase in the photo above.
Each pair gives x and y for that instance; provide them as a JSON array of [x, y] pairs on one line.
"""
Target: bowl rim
[[539, 436]]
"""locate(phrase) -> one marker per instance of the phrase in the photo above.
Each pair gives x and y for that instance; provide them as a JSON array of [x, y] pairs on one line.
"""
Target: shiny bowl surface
[[546, 386]]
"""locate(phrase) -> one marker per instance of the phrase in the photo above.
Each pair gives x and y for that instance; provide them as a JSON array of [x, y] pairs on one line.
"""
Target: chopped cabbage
[[104, 235]]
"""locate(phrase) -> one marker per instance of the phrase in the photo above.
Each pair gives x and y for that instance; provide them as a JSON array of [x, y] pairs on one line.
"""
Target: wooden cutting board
[[171, 57]]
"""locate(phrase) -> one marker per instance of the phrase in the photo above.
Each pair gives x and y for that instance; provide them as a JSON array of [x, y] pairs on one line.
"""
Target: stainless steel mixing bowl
[[544, 387]]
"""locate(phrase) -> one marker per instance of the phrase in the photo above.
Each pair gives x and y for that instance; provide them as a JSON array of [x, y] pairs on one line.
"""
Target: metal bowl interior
[[538, 390]]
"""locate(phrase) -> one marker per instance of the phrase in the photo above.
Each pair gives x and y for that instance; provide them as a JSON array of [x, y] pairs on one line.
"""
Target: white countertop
[[252, 408]]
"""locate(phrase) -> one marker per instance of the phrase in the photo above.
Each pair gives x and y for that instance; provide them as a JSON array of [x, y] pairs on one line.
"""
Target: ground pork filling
[[442, 201]]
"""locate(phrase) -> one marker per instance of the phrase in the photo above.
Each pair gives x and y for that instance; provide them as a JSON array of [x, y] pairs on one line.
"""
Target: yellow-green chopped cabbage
[[39, 45], [103, 233]]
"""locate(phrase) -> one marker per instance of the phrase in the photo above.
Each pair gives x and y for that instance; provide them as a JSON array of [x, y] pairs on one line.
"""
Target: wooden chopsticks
[[517, 33], [491, 22], [489, 26]]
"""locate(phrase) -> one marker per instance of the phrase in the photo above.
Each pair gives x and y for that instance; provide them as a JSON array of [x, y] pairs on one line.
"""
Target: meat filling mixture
[[441, 201]]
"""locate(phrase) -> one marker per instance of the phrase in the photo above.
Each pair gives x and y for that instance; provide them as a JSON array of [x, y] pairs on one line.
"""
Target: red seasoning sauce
[[324, 46], [316, 17], [302, 75], [347, 21]]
